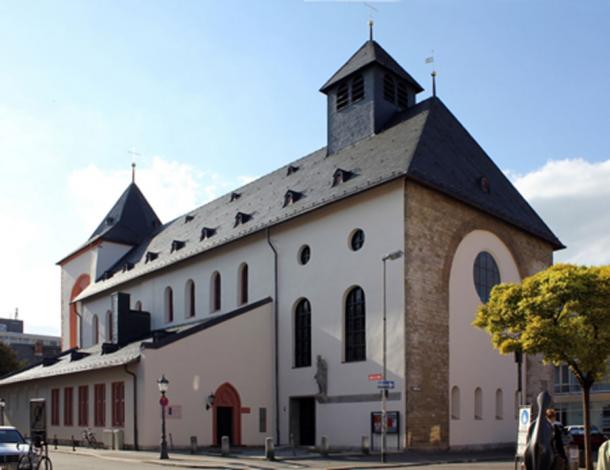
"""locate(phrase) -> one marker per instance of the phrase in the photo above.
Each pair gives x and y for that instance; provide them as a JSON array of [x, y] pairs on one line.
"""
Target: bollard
[[269, 449], [224, 446], [292, 444], [324, 446], [366, 448], [193, 444], [73, 444], [55, 441]]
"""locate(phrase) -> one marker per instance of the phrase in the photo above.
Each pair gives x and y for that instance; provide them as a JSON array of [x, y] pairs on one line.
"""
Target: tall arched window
[[499, 404], [216, 292], [109, 329], [169, 304], [189, 299], [478, 403], [355, 326], [243, 284], [302, 334], [95, 329], [455, 403]]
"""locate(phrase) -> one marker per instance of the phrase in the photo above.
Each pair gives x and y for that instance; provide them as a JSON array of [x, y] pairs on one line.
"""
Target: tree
[[562, 313], [8, 360]]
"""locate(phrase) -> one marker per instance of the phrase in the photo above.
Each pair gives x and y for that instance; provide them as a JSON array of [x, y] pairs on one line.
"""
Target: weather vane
[[371, 22], [430, 60]]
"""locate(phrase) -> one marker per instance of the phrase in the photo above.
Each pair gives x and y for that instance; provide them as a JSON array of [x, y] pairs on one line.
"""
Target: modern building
[[265, 307], [29, 348]]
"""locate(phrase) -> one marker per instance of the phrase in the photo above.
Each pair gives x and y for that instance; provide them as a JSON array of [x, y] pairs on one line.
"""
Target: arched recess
[[81, 283], [95, 333], [226, 396]]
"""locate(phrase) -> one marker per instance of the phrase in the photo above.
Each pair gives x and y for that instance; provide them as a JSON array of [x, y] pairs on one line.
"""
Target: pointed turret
[[364, 94]]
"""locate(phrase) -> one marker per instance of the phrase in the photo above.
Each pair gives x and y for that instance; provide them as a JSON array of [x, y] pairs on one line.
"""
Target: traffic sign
[[386, 384], [525, 416], [375, 377], [164, 401]]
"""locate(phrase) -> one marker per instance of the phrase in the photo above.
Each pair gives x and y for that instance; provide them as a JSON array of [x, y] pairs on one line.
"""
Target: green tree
[[562, 313], [8, 360]]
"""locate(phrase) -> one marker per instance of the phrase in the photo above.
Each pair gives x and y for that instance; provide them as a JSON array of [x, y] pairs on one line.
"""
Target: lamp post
[[163, 384], [384, 392]]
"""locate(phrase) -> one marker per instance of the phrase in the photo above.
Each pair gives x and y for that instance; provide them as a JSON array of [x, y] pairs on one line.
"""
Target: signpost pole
[[384, 392]]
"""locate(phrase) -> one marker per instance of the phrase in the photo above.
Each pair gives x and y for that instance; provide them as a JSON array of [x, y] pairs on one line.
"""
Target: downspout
[[276, 336], [135, 407]]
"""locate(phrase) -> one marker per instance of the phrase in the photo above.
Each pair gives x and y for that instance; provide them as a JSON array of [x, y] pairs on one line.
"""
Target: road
[[63, 461]]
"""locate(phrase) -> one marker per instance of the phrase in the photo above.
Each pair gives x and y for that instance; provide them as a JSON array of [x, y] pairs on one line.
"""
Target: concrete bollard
[[194, 446], [225, 447], [292, 445], [73, 444], [55, 441], [324, 446], [366, 446], [269, 449]]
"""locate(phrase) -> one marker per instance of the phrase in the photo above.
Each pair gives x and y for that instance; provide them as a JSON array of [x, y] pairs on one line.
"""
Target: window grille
[[357, 88], [342, 96], [486, 275], [389, 88]]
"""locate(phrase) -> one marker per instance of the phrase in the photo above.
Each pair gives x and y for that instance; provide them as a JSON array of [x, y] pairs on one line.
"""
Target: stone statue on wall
[[321, 376]]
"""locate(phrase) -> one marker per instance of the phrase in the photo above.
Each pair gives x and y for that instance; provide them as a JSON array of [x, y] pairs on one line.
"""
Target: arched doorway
[[227, 414], [79, 286]]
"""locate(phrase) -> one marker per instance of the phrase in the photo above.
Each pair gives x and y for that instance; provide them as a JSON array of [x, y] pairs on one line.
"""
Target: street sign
[[525, 413], [375, 377], [386, 384]]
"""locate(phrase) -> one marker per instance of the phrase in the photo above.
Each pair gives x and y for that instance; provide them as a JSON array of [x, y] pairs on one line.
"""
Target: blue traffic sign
[[386, 384]]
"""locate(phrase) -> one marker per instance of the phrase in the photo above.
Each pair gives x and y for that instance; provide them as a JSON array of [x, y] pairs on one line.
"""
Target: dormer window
[[350, 92], [292, 169], [177, 245], [109, 220], [291, 197], [188, 218], [107, 275], [341, 176], [235, 196], [241, 218], [127, 267], [207, 232], [151, 256]]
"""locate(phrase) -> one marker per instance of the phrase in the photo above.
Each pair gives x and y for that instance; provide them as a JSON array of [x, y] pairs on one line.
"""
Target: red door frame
[[227, 395]]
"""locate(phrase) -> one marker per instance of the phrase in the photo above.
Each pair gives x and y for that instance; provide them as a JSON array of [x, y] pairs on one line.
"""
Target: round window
[[304, 254], [357, 239], [486, 275]]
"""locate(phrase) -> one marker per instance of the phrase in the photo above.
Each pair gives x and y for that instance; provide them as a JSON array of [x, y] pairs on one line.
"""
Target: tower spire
[[133, 154], [133, 172], [371, 24]]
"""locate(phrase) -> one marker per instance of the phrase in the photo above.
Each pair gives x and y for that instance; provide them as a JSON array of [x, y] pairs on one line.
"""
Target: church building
[[274, 309]]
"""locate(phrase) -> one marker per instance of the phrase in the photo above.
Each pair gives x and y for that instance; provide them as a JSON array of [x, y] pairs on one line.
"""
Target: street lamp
[[384, 392], [163, 384]]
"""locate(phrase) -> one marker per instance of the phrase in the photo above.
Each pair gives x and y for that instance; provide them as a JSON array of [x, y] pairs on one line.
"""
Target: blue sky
[[213, 93]]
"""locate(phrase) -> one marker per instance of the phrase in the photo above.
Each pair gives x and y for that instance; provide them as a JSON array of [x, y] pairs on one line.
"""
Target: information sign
[[392, 419], [386, 384], [525, 413]]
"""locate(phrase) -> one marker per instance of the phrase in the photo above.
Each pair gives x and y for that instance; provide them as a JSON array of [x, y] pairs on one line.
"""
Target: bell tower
[[365, 94]]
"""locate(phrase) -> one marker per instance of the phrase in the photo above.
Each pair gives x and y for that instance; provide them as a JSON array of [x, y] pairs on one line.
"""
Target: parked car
[[576, 436], [12, 446]]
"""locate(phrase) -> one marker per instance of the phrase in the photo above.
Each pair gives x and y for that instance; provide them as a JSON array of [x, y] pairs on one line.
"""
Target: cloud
[[572, 196]]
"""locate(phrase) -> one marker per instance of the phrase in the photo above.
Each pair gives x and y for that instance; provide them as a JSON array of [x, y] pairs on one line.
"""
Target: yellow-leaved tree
[[562, 313]]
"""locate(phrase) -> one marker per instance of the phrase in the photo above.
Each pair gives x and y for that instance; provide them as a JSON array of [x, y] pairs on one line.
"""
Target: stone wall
[[434, 226]]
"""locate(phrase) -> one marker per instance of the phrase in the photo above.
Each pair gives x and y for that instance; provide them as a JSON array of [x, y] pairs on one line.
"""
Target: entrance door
[[224, 423], [303, 420]]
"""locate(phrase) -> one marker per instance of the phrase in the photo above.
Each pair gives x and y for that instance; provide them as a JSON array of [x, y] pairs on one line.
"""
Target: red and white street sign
[[375, 377]]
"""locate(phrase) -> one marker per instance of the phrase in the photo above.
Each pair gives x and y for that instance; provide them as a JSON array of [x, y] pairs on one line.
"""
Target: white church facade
[[264, 308]]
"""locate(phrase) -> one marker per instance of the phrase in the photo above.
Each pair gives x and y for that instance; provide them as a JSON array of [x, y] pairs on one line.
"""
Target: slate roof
[[130, 353], [370, 53], [425, 143]]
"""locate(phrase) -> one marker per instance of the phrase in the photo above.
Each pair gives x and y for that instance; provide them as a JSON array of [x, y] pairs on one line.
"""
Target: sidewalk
[[254, 458]]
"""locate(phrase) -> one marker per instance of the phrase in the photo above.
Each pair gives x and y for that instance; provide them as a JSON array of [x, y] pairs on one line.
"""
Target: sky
[[212, 94]]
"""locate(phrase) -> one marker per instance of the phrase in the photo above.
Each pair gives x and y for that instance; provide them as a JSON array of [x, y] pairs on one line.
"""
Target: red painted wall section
[[81, 282], [227, 395]]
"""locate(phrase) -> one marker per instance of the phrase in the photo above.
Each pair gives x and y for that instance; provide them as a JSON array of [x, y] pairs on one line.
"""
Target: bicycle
[[89, 439], [37, 457]]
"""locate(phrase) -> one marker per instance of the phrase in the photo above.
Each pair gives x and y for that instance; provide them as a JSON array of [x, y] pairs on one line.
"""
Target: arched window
[[169, 304], [243, 284], [189, 299], [499, 404], [109, 329], [216, 292], [478, 403], [355, 324], [139, 305], [486, 275], [95, 329], [302, 334], [455, 403]]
